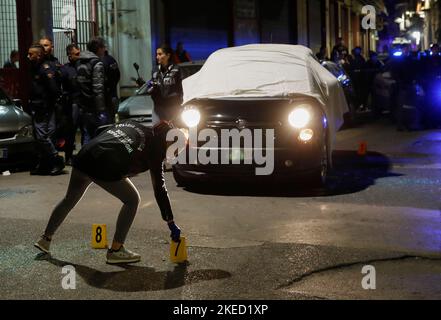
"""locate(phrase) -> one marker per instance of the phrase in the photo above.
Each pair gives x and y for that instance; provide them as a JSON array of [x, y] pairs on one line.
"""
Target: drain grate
[[8, 193]]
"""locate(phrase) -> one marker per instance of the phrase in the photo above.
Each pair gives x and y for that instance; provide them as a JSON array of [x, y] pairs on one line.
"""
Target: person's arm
[[98, 87], [161, 194], [52, 84]]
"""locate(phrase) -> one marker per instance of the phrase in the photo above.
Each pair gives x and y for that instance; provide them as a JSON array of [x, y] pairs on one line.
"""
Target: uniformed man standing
[[71, 93], [48, 46], [60, 116], [43, 96], [112, 78]]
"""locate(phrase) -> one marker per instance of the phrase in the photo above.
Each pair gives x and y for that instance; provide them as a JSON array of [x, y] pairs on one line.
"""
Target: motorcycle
[[140, 80]]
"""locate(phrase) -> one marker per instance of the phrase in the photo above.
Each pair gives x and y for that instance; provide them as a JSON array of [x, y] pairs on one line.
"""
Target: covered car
[[277, 89], [17, 144]]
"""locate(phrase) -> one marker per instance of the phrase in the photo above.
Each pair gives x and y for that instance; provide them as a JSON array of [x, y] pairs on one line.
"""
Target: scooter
[[140, 80]]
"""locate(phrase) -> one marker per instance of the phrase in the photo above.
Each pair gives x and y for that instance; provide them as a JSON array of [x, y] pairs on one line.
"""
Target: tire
[[180, 180]]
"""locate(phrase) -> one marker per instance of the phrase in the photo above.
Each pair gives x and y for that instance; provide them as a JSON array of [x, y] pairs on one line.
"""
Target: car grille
[[242, 124], [7, 135]]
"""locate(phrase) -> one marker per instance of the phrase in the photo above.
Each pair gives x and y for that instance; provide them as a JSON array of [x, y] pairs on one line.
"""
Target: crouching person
[[121, 151]]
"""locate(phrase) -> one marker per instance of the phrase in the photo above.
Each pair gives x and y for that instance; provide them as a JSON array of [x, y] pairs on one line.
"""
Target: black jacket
[[45, 86], [123, 150], [71, 91], [168, 93], [90, 79], [112, 75]]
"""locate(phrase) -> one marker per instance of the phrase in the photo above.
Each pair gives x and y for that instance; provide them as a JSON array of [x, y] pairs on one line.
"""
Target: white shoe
[[122, 256], [43, 245]]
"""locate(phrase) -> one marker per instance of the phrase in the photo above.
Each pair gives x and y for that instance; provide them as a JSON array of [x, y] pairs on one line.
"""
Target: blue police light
[[343, 79], [398, 54]]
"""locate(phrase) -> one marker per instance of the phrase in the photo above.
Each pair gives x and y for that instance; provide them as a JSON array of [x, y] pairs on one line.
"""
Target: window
[[8, 29]]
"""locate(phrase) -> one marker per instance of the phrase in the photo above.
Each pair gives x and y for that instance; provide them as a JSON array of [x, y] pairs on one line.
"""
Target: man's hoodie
[[91, 79]]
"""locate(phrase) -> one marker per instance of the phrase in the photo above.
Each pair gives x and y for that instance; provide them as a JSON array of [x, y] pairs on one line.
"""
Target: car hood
[[134, 106], [12, 119]]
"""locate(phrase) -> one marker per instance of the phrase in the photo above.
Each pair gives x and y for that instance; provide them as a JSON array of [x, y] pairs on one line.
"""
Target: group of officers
[[80, 94]]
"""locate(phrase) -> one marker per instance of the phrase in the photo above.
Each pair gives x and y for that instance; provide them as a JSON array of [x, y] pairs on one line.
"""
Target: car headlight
[[191, 117], [299, 118], [26, 132]]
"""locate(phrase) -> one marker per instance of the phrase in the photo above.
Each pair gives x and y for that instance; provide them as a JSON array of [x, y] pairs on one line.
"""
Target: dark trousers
[[44, 131], [72, 130], [67, 126], [89, 124]]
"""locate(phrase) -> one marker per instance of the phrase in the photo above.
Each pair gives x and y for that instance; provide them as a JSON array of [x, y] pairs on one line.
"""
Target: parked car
[[17, 144], [263, 87], [345, 81], [139, 107]]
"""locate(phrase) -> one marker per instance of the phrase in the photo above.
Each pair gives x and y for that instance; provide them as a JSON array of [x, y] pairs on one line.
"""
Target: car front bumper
[[286, 164], [18, 151]]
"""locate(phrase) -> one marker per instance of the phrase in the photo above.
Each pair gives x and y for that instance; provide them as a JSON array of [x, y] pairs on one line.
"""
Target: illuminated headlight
[[306, 135], [191, 117], [26, 132], [299, 118]]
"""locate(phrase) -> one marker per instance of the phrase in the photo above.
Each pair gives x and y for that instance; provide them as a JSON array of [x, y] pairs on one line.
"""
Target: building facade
[[134, 29]]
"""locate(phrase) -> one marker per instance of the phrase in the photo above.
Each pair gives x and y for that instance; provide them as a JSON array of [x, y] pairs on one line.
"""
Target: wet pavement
[[248, 241]]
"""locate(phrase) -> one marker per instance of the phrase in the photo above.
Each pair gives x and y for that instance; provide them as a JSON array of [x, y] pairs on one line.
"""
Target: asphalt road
[[248, 241]]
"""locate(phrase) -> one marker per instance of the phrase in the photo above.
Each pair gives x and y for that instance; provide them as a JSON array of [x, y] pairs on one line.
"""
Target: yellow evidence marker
[[178, 251], [99, 236]]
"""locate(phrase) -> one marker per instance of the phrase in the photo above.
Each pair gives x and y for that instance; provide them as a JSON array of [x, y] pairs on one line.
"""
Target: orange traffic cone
[[362, 149]]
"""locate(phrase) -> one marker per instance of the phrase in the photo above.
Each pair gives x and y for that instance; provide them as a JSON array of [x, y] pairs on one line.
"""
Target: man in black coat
[[91, 82]]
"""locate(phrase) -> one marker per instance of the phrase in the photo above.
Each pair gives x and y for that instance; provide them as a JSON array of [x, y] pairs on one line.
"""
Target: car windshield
[[4, 98], [189, 70], [333, 68]]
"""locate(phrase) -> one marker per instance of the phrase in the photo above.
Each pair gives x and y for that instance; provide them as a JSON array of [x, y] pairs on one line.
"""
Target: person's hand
[[175, 231], [103, 119], [152, 86]]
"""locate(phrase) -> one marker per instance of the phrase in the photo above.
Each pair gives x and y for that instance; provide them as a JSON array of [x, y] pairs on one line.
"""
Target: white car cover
[[272, 71]]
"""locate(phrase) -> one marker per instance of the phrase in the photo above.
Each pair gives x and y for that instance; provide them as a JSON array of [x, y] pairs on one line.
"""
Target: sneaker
[[122, 256], [43, 245]]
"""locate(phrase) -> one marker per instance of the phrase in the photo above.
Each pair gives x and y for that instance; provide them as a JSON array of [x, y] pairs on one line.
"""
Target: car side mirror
[[18, 103]]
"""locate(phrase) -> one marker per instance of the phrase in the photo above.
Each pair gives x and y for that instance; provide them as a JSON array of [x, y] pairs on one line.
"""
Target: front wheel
[[180, 180]]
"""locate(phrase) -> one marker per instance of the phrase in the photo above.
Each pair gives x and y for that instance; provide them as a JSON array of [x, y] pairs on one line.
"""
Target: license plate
[[3, 153], [237, 155]]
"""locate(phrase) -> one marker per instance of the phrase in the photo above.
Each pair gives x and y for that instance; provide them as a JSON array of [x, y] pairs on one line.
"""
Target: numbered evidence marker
[[99, 236], [178, 251]]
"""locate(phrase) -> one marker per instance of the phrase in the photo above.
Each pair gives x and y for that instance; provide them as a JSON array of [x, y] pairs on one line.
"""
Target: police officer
[[112, 78], [43, 96], [166, 86], [48, 45], [71, 94], [91, 82], [118, 153]]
